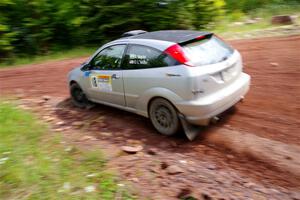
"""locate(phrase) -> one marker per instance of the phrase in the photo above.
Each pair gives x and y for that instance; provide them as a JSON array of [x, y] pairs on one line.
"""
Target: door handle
[[115, 76], [173, 75]]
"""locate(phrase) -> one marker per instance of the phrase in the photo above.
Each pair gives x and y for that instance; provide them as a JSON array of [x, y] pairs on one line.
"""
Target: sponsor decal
[[101, 82]]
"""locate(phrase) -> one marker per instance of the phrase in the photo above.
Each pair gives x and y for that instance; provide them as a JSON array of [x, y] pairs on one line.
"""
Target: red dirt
[[206, 171], [48, 78], [271, 110], [272, 107]]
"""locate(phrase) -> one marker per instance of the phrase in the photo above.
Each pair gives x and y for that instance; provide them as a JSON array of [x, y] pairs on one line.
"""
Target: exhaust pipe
[[242, 99], [214, 120]]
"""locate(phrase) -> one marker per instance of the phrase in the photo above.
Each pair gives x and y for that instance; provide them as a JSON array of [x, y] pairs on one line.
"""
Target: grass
[[35, 164], [57, 55]]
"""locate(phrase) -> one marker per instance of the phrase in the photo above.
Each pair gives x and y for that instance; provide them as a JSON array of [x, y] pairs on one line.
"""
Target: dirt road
[[272, 107], [271, 110]]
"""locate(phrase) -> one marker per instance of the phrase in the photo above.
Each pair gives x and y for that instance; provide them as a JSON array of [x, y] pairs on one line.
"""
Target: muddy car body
[[163, 75]]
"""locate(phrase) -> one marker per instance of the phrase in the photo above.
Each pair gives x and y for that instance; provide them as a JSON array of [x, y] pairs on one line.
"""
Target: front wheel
[[78, 97], [164, 117]]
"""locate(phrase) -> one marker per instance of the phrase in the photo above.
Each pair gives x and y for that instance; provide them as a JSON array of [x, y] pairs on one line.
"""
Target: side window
[[141, 57], [109, 58]]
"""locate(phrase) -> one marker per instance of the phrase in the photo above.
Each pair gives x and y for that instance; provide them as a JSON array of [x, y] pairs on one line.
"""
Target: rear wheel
[[78, 97], [164, 117]]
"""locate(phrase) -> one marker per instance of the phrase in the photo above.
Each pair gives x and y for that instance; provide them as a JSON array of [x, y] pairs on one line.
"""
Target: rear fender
[[148, 95]]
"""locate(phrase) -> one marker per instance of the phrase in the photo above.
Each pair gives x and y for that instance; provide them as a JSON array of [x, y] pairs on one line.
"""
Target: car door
[[104, 78], [145, 68]]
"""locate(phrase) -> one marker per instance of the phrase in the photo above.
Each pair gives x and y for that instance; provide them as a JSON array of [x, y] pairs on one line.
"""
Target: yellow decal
[[102, 82]]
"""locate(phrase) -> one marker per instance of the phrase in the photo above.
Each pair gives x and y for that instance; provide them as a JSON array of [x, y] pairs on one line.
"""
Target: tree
[[40, 26], [7, 35]]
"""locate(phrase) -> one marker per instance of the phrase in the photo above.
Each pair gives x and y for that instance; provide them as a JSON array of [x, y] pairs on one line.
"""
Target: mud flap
[[89, 105], [191, 131]]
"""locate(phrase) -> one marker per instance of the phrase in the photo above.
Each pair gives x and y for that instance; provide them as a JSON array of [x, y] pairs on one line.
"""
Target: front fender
[[74, 75]]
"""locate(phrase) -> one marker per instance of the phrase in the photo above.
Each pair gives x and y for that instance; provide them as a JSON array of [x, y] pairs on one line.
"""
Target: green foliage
[[7, 35], [39, 27], [36, 165], [30, 27], [53, 55]]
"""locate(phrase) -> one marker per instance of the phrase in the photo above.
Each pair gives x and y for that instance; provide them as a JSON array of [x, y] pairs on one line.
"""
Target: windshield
[[207, 51]]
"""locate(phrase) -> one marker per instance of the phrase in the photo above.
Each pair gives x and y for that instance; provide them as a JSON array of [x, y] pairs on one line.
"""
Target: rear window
[[207, 51]]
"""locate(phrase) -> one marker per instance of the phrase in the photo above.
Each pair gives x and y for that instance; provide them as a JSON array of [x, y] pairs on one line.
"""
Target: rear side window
[[142, 57], [207, 51]]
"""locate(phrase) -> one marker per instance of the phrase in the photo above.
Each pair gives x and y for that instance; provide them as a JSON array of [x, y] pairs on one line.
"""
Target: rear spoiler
[[194, 37]]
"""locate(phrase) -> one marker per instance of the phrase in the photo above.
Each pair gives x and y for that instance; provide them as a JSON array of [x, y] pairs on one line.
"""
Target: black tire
[[78, 97], [164, 117]]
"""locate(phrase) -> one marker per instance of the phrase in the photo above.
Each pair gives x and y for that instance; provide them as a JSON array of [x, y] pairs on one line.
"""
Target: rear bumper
[[201, 111]]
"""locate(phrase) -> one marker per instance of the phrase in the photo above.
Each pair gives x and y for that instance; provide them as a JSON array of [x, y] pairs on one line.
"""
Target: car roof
[[176, 36], [158, 39]]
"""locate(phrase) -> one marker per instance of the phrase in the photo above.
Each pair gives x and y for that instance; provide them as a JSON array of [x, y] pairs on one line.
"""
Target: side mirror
[[86, 67]]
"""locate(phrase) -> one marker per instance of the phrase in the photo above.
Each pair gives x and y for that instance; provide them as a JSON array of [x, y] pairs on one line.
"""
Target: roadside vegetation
[[36, 164], [50, 56], [38, 30]]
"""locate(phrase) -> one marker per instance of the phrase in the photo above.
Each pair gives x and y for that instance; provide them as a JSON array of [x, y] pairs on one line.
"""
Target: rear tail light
[[176, 52]]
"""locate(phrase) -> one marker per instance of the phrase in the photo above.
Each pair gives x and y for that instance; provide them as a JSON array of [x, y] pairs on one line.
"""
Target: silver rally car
[[176, 78]]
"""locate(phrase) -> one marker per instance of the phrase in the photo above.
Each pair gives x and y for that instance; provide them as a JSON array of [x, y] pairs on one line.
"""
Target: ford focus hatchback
[[172, 77]]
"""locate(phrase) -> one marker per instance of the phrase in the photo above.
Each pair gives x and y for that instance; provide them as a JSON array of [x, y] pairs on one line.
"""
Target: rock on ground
[[174, 169], [282, 20], [132, 149]]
